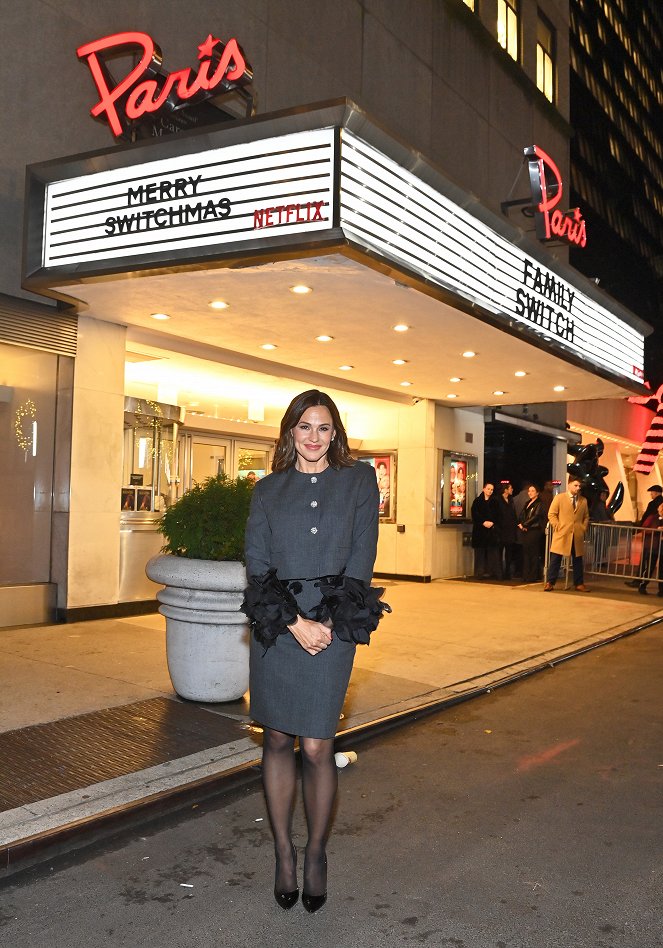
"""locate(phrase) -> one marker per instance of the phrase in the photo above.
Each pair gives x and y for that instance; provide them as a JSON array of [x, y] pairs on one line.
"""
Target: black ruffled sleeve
[[353, 607], [270, 606]]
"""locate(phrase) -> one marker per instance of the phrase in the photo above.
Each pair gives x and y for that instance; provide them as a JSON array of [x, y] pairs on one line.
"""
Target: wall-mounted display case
[[458, 486]]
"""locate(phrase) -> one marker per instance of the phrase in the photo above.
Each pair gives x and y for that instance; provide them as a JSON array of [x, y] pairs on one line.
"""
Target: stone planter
[[207, 638]]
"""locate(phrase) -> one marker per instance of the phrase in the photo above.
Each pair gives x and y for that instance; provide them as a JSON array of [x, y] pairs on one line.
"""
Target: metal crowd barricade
[[618, 550]]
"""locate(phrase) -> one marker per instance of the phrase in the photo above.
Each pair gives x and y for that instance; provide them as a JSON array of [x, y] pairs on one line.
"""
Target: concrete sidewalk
[[97, 695]]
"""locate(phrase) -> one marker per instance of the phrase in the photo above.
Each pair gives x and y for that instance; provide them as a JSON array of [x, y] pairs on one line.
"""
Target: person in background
[[598, 512], [651, 542], [569, 517], [508, 527], [532, 526], [485, 534], [522, 498], [546, 496]]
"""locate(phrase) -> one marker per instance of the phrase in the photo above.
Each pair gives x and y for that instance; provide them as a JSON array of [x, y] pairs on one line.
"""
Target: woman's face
[[532, 493], [313, 433], [488, 490]]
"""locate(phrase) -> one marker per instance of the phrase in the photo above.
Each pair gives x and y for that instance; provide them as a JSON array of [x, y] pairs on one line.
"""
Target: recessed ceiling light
[[218, 304], [520, 374], [400, 327], [452, 395], [405, 384], [559, 388], [399, 362], [469, 354], [499, 392], [346, 368], [269, 346], [324, 338], [160, 316], [301, 289], [455, 378]]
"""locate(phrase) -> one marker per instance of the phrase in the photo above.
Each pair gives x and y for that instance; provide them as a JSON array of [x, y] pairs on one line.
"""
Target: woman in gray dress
[[311, 542]]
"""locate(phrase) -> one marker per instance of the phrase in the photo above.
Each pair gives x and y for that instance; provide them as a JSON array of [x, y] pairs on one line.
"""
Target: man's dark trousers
[[555, 563]]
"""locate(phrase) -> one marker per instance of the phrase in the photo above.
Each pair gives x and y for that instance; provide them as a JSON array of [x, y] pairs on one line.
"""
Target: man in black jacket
[[650, 549]]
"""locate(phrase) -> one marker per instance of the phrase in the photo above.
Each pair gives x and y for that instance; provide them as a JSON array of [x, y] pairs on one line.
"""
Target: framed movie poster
[[458, 485], [384, 465], [144, 498], [128, 498]]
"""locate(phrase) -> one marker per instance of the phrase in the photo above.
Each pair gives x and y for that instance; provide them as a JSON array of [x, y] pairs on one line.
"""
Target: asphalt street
[[531, 817]]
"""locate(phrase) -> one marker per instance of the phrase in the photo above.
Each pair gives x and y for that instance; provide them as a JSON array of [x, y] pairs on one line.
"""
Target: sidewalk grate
[[45, 760]]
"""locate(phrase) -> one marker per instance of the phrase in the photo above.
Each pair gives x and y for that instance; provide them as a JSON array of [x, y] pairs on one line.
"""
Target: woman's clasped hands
[[313, 637]]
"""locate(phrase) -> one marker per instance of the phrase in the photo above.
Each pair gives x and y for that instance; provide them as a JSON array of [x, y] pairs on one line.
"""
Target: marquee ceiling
[[198, 346]]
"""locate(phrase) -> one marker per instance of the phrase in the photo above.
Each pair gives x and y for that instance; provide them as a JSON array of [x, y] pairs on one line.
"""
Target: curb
[[32, 851]]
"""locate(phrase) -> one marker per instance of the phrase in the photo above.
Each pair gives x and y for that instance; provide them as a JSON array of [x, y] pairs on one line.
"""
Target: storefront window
[[27, 430], [507, 26], [458, 486]]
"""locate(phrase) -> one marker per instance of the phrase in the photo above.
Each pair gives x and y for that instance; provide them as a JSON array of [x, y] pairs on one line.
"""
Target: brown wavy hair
[[285, 454]]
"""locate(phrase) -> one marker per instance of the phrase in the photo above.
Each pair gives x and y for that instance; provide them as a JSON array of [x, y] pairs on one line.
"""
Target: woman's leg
[[278, 779], [529, 558], [319, 784]]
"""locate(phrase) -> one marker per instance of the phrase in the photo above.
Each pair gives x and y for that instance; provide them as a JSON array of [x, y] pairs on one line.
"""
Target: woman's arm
[[257, 537], [364, 529]]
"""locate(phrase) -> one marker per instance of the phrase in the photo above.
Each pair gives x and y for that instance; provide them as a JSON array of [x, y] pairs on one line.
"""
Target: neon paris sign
[[547, 189], [147, 90]]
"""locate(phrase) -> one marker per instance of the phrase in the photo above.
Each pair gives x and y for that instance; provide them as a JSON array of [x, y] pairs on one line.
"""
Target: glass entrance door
[[206, 455], [203, 456]]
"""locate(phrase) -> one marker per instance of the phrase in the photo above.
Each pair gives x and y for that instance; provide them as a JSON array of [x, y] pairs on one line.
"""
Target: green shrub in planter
[[208, 522]]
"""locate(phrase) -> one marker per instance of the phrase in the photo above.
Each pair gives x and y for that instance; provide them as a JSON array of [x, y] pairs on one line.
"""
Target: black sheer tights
[[319, 784]]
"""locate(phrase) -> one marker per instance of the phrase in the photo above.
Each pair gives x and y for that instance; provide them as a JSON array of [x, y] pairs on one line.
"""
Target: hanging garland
[[26, 410]]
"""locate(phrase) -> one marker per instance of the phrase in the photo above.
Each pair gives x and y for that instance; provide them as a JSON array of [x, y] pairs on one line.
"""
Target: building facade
[[133, 362], [616, 96]]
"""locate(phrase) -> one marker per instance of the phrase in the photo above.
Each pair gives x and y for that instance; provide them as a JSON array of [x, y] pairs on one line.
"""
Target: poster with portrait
[[458, 485], [384, 465], [458, 489]]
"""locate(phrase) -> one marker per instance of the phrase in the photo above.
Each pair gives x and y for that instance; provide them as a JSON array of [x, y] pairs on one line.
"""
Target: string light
[[28, 409]]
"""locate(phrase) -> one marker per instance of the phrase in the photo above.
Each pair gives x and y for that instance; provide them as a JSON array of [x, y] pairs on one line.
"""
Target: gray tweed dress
[[307, 526]]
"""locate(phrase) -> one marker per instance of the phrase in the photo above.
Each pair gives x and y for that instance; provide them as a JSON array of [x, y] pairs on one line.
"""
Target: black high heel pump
[[286, 899], [314, 902]]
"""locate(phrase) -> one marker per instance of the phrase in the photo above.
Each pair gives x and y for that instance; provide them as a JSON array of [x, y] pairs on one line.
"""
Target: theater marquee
[[294, 183], [211, 198]]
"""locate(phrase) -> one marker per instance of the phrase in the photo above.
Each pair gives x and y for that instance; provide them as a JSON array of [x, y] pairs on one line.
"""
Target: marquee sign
[[146, 90], [306, 186], [388, 209], [547, 190], [212, 198]]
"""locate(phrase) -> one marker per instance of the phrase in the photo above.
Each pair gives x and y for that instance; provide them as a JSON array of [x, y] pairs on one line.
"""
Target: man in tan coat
[[569, 517]]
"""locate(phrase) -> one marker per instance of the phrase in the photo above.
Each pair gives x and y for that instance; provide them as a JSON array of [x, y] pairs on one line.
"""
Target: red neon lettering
[[142, 93], [108, 97], [548, 202], [569, 228], [556, 222]]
